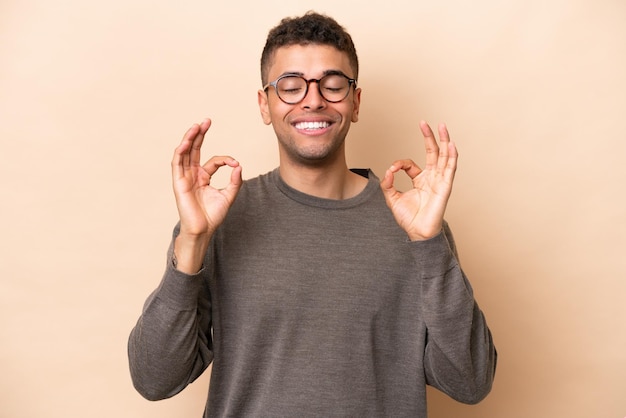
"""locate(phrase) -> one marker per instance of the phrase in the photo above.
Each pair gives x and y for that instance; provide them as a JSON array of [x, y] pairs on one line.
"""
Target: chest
[[315, 268]]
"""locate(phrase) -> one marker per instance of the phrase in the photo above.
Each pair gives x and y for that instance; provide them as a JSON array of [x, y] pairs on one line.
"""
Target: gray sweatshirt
[[311, 307]]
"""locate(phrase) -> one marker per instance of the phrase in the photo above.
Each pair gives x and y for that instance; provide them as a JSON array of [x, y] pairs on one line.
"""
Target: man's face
[[313, 131]]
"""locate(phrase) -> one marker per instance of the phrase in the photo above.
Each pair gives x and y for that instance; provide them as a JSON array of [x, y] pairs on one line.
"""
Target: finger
[[194, 155], [387, 182], [235, 177], [448, 157], [181, 153], [451, 165], [408, 166], [234, 185], [389, 191], [214, 163], [444, 149], [430, 143]]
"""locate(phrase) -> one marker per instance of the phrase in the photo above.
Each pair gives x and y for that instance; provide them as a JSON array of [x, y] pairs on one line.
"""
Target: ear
[[356, 102], [264, 107]]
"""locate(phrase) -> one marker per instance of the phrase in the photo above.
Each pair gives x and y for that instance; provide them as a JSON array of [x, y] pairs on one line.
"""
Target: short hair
[[311, 28]]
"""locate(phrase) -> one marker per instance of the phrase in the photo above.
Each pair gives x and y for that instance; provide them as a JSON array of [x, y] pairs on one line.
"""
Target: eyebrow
[[325, 73]]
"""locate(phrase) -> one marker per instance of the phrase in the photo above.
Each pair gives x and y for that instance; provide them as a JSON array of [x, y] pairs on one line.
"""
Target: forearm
[[460, 356], [169, 347]]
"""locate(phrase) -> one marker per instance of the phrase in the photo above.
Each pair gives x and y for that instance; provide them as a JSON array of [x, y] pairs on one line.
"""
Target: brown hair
[[311, 28]]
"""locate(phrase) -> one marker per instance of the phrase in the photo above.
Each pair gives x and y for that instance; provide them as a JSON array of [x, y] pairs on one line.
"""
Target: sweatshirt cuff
[[179, 290], [433, 256]]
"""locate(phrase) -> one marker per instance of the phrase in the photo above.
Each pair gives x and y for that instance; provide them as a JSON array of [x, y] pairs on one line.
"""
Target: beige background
[[94, 96]]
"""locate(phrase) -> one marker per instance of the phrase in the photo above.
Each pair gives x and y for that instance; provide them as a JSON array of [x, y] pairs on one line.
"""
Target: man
[[313, 290]]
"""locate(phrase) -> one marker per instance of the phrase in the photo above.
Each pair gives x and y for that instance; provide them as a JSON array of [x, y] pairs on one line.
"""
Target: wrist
[[189, 252], [413, 236]]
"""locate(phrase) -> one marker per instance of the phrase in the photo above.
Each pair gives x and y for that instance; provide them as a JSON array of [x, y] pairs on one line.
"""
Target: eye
[[334, 83], [291, 90], [291, 85]]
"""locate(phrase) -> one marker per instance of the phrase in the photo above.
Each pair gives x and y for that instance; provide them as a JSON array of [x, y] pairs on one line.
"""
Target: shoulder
[[258, 186], [255, 195]]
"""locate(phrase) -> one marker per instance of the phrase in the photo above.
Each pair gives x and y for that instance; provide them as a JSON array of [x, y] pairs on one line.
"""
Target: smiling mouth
[[310, 126]]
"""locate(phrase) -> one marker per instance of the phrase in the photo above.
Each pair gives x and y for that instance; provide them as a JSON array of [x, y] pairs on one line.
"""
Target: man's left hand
[[420, 210]]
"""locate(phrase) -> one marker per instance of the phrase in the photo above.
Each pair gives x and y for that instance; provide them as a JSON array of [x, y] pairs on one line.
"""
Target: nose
[[313, 99]]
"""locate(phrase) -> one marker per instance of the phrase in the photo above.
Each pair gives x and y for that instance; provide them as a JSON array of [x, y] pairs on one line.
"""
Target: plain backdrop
[[94, 97]]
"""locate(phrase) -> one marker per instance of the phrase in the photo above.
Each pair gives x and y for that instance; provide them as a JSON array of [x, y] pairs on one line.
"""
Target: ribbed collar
[[372, 187]]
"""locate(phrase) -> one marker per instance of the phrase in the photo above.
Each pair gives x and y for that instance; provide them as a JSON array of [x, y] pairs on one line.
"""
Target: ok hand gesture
[[201, 207], [420, 210]]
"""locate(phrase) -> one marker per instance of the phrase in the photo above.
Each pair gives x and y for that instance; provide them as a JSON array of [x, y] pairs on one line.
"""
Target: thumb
[[387, 187], [231, 190]]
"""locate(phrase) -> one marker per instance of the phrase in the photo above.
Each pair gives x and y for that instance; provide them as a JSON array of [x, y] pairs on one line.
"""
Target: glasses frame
[[351, 82]]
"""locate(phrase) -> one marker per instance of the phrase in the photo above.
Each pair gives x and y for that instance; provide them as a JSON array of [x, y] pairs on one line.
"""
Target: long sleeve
[[170, 346], [313, 307], [460, 356]]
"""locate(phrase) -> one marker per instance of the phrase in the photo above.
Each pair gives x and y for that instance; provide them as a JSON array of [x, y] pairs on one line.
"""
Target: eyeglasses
[[292, 89]]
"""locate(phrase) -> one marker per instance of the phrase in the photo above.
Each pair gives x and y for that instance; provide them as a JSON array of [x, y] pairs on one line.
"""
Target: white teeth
[[312, 125]]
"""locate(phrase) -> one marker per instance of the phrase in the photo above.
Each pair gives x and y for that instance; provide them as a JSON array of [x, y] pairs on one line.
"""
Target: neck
[[329, 182]]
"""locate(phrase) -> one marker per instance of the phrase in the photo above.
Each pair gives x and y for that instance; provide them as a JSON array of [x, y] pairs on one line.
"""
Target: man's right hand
[[201, 207]]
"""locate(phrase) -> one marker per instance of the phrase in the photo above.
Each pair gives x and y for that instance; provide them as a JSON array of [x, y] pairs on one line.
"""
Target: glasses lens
[[291, 89], [334, 87]]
